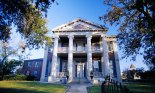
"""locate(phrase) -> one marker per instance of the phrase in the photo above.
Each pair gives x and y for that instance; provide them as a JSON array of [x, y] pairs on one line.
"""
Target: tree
[[149, 75], [7, 65], [136, 22], [10, 66], [132, 73], [29, 18]]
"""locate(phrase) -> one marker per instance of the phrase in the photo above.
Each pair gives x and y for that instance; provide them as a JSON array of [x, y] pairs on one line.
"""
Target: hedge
[[15, 77], [20, 77]]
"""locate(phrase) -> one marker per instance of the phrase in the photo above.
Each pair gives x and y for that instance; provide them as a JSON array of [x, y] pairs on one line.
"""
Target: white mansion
[[81, 47]]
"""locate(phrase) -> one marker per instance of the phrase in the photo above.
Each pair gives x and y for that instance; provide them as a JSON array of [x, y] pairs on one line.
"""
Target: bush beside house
[[19, 77]]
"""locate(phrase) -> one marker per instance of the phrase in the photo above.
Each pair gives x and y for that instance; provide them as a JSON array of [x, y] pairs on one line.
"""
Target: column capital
[[70, 36], [103, 36], [56, 36], [89, 36]]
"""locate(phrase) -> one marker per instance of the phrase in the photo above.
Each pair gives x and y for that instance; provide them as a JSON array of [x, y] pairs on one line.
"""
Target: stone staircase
[[79, 81]]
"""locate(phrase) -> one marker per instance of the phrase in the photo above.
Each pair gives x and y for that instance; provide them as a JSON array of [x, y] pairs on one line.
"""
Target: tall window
[[36, 64], [96, 67], [35, 73], [111, 68], [64, 66], [29, 64], [27, 72]]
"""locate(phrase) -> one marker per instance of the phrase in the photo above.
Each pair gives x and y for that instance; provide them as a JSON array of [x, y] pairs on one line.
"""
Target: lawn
[[141, 87], [30, 87], [133, 87], [95, 89]]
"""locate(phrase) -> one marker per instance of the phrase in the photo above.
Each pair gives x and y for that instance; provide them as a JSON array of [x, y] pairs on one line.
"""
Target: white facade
[[80, 47]]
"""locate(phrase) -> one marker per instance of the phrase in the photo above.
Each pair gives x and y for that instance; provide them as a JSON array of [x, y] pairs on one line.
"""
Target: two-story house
[[81, 47]]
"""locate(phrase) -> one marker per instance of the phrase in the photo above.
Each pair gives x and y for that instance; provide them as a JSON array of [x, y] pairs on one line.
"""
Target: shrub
[[1, 74], [148, 75], [31, 78], [15, 77]]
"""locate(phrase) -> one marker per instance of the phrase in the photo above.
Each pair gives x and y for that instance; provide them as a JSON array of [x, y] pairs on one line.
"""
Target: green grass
[[95, 89], [30, 87], [141, 87], [133, 87]]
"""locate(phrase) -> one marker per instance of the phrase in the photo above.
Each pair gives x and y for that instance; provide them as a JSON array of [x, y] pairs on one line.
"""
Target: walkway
[[78, 88]]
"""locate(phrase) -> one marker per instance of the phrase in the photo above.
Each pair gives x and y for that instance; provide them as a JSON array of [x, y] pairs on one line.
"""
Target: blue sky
[[68, 10]]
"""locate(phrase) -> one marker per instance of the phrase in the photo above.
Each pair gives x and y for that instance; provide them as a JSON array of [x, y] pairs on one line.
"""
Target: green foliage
[[95, 89], [131, 74], [67, 73], [136, 22], [29, 18], [107, 77], [9, 66], [148, 75], [91, 73], [19, 77], [141, 87], [30, 87], [31, 78], [15, 77]]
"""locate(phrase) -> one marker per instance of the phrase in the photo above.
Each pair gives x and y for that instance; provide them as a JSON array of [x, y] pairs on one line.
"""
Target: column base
[[53, 79], [42, 79], [70, 80]]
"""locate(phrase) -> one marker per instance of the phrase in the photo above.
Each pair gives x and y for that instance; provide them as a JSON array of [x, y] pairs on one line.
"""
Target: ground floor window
[[97, 69]]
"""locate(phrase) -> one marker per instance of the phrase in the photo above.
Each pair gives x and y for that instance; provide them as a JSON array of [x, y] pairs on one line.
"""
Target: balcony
[[79, 49], [96, 49], [62, 49]]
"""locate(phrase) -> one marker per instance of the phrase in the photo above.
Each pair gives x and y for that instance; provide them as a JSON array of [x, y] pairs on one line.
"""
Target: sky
[[68, 10]]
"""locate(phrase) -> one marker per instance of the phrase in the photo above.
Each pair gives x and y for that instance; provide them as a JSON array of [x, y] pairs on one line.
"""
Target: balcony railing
[[96, 49], [63, 49], [79, 49], [98, 74]]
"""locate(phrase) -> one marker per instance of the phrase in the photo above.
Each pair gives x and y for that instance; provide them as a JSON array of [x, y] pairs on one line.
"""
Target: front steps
[[79, 81]]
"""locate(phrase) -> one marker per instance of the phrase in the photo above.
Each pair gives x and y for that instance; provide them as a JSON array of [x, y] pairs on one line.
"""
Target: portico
[[80, 47]]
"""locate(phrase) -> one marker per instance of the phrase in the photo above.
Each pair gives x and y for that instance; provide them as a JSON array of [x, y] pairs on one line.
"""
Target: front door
[[80, 70]]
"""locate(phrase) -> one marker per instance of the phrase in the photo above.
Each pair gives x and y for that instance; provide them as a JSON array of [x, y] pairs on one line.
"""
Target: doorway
[[80, 70]]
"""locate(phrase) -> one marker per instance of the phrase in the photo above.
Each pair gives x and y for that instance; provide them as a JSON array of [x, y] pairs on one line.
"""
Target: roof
[[79, 24], [39, 59], [132, 66]]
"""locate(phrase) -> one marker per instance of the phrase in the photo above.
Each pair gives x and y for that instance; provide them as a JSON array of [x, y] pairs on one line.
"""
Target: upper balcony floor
[[80, 49], [80, 44]]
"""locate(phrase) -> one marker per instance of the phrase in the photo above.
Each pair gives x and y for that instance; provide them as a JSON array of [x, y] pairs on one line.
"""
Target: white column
[[43, 72], [70, 57], [54, 60], [89, 56], [105, 57], [117, 62], [102, 65]]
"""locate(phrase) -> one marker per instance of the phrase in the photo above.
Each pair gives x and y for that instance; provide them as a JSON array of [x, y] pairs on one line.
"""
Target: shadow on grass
[[141, 87], [38, 84], [15, 90]]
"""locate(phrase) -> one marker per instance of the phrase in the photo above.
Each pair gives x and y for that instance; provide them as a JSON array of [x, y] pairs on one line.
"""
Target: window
[[27, 72], [97, 46], [111, 68], [83, 46], [35, 73], [65, 45], [96, 67], [64, 66], [110, 46], [36, 64], [29, 64]]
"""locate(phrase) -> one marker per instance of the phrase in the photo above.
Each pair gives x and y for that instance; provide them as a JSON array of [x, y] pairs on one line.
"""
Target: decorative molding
[[79, 24]]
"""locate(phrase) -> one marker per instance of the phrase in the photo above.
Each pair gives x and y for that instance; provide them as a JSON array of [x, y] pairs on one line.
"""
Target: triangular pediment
[[79, 24]]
